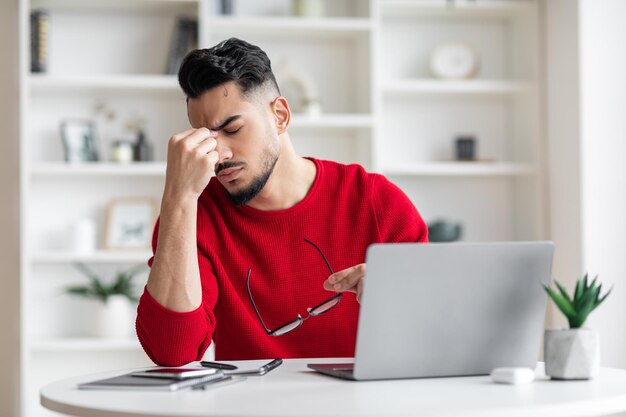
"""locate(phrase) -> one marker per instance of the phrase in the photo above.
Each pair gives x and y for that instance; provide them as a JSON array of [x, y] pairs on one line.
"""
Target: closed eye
[[231, 132]]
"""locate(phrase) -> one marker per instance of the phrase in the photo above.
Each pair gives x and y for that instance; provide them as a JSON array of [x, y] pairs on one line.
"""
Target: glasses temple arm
[[256, 310], [321, 253]]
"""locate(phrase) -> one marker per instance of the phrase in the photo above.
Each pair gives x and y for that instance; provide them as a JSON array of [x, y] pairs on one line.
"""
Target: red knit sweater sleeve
[[397, 219], [172, 338]]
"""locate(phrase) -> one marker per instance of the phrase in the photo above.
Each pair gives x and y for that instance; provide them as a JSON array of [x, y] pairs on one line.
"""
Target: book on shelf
[[185, 39], [39, 30]]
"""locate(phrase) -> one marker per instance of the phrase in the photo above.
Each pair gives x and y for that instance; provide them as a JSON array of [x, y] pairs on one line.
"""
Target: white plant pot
[[115, 318], [571, 353]]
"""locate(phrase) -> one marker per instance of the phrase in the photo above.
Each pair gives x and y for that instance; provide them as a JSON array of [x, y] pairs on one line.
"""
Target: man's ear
[[282, 114]]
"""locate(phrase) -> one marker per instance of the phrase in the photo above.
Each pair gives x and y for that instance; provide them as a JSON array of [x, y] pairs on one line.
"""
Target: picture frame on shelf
[[79, 140], [129, 222]]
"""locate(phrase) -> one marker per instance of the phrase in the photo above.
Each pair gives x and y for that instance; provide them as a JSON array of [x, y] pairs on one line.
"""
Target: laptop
[[449, 309]]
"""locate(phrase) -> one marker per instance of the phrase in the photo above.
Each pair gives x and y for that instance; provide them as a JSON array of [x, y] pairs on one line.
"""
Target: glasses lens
[[325, 306], [286, 328]]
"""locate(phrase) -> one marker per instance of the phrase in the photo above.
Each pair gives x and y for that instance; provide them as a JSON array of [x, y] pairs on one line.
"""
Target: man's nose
[[223, 150]]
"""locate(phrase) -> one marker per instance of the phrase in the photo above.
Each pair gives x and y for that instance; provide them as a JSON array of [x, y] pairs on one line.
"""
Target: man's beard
[[242, 197]]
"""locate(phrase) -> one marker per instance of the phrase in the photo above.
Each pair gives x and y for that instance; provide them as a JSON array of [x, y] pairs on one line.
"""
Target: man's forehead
[[215, 106]]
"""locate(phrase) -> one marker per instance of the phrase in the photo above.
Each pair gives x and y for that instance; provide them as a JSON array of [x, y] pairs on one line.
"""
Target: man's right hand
[[191, 160]]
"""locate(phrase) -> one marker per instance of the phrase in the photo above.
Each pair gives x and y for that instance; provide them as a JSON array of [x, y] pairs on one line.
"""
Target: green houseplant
[[99, 289], [114, 301], [574, 353]]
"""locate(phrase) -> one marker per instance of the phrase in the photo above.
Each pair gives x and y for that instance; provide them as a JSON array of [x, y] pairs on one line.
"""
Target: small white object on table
[[513, 376]]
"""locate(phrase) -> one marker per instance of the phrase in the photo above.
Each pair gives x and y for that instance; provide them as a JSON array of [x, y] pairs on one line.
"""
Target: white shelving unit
[[80, 345], [460, 9], [441, 87], [110, 52], [103, 169], [327, 28], [333, 121], [461, 169], [421, 116], [98, 257], [380, 108], [98, 83]]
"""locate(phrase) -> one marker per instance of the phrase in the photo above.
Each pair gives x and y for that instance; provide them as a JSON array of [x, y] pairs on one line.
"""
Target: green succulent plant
[[586, 299], [97, 288]]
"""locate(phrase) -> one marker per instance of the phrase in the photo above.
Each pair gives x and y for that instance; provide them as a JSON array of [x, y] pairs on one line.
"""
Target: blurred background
[[500, 119]]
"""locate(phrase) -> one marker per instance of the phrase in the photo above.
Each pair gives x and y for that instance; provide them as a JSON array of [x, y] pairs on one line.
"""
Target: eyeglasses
[[312, 311]]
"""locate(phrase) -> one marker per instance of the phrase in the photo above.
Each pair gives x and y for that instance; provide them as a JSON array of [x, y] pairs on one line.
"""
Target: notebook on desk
[[129, 382], [455, 309]]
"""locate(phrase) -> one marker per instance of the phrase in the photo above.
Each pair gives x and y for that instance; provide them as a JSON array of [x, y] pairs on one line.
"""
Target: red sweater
[[345, 211]]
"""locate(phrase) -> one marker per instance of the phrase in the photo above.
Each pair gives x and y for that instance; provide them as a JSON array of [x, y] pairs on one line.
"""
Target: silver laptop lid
[[451, 309]]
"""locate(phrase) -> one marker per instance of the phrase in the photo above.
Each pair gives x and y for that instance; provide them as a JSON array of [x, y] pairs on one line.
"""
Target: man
[[238, 258]]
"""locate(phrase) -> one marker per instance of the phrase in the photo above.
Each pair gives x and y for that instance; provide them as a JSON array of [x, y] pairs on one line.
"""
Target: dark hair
[[230, 60]]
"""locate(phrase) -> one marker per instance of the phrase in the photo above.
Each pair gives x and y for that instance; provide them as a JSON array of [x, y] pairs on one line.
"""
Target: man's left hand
[[350, 279]]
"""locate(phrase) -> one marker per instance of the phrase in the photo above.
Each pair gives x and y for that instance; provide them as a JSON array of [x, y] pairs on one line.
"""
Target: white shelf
[[434, 86], [460, 9], [332, 121], [291, 27], [144, 169], [461, 169], [91, 83], [85, 344], [101, 256], [145, 6]]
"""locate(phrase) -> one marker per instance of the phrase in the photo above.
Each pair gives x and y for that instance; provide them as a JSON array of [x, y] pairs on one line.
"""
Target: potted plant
[[574, 353], [114, 315]]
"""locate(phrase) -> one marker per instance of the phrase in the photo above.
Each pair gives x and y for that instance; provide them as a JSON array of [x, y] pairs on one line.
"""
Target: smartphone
[[257, 371], [175, 373]]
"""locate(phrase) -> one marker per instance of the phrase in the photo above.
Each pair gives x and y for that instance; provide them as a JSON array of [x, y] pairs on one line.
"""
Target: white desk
[[293, 390]]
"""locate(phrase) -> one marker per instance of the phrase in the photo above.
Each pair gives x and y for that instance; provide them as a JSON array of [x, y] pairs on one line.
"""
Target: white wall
[[563, 133], [603, 168], [586, 129], [9, 210]]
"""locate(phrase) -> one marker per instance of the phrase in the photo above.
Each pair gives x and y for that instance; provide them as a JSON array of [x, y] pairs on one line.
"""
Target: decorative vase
[[466, 148], [115, 318], [571, 353], [308, 8], [142, 149], [444, 231], [83, 236], [123, 151]]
